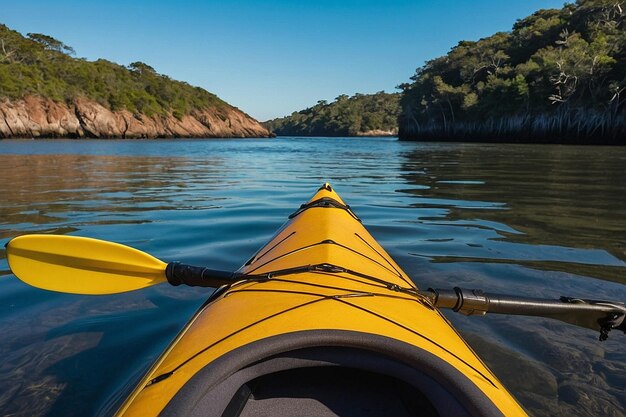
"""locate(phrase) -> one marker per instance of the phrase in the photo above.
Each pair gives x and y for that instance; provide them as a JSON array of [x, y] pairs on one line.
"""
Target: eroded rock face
[[34, 117], [378, 132]]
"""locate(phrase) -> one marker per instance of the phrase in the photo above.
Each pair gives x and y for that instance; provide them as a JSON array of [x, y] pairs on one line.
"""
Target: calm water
[[531, 220]]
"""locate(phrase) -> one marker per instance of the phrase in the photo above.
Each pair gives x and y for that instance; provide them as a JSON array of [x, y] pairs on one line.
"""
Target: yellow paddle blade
[[81, 265]]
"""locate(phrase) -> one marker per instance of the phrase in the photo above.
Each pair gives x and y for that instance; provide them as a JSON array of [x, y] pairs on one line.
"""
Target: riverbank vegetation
[[558, 76], [359, 115], [40, 65]]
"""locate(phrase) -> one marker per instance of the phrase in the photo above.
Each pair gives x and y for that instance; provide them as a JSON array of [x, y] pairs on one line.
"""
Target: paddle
[[602, 316], [81, 265]]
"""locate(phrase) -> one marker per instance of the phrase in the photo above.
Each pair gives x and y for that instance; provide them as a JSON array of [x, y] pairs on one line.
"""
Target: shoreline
[[576, 127], [35, 117]]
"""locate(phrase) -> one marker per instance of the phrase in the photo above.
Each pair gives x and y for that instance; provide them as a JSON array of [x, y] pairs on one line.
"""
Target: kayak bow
[[324, 323]]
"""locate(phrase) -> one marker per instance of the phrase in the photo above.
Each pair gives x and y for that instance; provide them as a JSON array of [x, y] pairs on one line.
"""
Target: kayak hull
[[322, 301]]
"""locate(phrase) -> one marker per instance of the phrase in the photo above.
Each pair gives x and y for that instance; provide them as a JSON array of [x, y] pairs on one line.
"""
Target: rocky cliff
[[33, 117]]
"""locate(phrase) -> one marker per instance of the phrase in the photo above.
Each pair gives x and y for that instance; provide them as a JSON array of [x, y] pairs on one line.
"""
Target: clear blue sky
[[271, 57]]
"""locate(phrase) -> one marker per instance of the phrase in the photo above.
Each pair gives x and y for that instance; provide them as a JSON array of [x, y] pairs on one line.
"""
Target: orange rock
[[34, 116]]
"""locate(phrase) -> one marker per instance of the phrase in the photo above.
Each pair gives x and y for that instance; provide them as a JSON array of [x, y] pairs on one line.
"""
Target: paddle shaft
[[597, 315], [197, 276]]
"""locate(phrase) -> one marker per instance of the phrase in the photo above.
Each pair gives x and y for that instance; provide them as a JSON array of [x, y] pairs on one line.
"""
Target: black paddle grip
[[197, 276]]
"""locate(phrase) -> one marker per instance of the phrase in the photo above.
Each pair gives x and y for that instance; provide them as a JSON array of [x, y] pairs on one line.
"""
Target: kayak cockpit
[[329, 373], [327, 391]]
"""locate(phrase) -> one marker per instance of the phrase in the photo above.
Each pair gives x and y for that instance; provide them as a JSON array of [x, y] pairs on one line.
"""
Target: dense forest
[[361, 114], [38, 64], [558, 76]]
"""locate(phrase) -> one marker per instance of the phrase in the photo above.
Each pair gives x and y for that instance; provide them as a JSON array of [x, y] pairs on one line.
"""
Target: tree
[[51, 44], [551, 63], [39, 64], [141, 68], [346, 116]]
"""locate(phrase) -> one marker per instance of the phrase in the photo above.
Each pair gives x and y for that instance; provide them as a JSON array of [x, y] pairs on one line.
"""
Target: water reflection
[[537, 221], [564, 206], [49, 190]]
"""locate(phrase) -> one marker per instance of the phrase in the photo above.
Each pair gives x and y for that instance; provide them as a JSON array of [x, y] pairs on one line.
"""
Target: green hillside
[[360, 114], [38, 64], [558, 76]]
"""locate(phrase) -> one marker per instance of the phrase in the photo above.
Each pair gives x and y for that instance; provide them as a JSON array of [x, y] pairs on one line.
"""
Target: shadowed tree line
[[346, 116], [40, 65], [558, 76]]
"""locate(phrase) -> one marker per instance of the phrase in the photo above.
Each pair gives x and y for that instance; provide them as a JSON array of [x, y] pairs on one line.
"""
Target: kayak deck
[[323, 322]]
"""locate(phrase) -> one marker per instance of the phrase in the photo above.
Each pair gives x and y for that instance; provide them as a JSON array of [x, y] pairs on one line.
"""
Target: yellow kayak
[[325, 323], [320, 322]]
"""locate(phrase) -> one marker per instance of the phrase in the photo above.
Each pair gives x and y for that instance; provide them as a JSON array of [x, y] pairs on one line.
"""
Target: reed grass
[[579, 126]]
